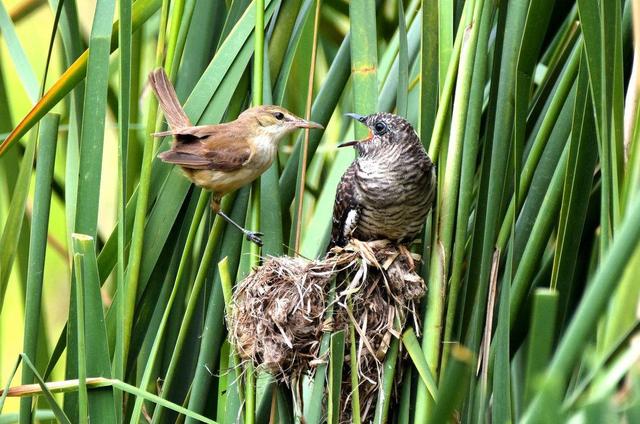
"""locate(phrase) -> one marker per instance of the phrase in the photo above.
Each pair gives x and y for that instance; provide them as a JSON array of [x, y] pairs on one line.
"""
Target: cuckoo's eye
[[279, 116], [380, 128]]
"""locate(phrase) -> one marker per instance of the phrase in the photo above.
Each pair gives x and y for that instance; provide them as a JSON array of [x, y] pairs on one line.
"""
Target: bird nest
[[282, 309]]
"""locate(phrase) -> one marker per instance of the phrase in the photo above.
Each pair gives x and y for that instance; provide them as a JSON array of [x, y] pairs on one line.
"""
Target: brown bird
[[222, 158], [388, 190]]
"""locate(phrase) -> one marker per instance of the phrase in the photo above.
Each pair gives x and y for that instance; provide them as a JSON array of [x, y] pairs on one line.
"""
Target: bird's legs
[[252, 236]]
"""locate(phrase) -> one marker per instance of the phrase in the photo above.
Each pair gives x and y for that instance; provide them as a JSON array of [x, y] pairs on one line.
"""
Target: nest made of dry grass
[[279, 312]]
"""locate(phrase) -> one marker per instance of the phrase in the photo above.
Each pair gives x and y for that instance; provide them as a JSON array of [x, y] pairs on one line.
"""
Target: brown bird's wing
[[187, 160], [208, 147], [346, 210], [189, 133]]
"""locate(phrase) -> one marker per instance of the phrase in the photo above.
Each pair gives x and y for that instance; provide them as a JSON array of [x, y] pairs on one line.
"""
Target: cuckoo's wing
[[346, 210]]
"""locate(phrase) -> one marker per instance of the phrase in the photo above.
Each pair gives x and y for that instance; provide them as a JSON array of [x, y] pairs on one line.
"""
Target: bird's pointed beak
[[357, 117], [303, 123], [348, 143]]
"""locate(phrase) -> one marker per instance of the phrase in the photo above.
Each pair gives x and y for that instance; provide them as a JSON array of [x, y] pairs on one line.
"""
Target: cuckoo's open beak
[[359, 118]]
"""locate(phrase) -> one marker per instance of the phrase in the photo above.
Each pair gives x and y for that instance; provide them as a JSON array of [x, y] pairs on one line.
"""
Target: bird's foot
[[254, 236]]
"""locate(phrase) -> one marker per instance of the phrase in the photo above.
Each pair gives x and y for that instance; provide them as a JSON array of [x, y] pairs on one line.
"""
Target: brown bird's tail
[[168, 100]]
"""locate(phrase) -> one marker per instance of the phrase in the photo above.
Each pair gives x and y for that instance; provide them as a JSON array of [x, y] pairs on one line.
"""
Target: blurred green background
[[529, 108]]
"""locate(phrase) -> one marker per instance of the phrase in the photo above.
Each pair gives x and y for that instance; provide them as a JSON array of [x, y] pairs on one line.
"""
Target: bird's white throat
[[266, 147]]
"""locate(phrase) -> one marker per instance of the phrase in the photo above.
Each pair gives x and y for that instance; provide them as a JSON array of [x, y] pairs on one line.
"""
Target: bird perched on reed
[[388, 190], [222, 158]]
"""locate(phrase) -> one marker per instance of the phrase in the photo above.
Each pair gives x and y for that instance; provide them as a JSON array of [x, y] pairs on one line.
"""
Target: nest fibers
[[279, 311]]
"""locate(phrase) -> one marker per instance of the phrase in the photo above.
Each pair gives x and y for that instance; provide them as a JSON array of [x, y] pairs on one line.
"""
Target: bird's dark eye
[[279, 116], [380, 128]]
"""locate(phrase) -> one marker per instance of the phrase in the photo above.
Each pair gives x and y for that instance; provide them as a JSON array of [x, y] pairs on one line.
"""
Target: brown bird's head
[[273, 122], [386, 131]]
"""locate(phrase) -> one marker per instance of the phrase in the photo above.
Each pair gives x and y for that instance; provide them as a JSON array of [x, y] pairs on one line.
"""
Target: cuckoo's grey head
[[387, 132]]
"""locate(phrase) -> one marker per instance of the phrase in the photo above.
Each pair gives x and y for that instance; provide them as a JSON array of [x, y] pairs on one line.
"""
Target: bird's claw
[[254, 236]]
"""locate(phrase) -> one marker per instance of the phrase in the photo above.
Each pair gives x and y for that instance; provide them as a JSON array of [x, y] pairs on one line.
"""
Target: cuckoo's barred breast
[[388, 190]]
